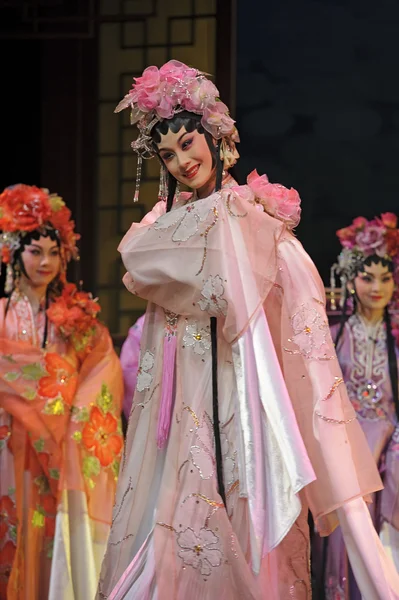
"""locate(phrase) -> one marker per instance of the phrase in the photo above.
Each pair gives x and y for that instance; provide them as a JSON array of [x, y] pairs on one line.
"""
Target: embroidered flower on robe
[[310, 330], [59, 385], [144, 377], [197, 339], [186, 218], [198, 549], [8, 515], [213, 302], [101, 435]]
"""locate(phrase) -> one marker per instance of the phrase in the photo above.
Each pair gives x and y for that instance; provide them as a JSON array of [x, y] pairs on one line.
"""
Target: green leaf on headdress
[[56, 203]]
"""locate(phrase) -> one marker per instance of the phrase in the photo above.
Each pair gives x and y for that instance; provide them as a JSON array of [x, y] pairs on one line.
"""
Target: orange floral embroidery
[[61, 380], [8, 515], [101, 435]]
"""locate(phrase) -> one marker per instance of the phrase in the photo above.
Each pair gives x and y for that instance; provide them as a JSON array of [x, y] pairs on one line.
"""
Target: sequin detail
[[231, 213], [335, 385], [118, 507], [187, 220], [310, 335], [198, 549], [205, 236], [336, 421], [212, 300], [196, 338], [171, 323]]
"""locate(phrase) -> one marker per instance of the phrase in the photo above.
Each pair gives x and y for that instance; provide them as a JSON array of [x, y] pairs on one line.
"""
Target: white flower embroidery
[[187, 218], [310, 330], [144, 377], [197, 549], [197, 339], [212, 292]]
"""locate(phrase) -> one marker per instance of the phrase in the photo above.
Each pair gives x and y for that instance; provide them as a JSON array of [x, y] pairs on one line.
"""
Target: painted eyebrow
[[178, 141], [40, 247]]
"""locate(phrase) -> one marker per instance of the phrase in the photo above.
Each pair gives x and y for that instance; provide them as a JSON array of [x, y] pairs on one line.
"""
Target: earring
[[352, 291]]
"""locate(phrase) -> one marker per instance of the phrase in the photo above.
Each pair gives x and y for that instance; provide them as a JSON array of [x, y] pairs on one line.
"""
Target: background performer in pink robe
[[366, 342], [130, 358], [60, 402], [240, 419]]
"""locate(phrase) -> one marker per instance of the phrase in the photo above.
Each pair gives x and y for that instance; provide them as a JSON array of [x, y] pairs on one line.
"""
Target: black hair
[[191, 122], [55, 287], [390, 340]]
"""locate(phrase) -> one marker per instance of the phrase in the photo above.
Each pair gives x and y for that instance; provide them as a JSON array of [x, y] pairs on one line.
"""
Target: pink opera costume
[[129, 357], [366, 342], [60, 401], [239, 420]]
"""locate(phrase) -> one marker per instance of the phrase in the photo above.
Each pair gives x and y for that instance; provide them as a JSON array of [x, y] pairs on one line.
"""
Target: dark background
[[318, 108]]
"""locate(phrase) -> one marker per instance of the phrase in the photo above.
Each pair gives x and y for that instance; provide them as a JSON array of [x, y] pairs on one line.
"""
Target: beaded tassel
[[163, 185], [138, 178]]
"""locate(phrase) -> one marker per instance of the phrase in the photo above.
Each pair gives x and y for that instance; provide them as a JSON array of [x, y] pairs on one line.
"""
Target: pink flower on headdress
[[347, 236], [216, 120], [279, 201], [200, 92], [359, 223], [165, 107], [371, 240], [390, 220], [174, 70], [149, 81]]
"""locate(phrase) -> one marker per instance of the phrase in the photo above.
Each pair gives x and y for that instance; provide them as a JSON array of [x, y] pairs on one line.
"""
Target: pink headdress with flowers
[[365, 238], [162, 93], [362, 239]]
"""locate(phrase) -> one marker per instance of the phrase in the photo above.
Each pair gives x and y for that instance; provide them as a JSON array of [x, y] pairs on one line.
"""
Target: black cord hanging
[[215, 403]]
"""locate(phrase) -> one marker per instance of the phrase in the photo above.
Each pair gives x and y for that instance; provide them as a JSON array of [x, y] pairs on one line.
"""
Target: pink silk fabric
[[129, 357], [223, 256]]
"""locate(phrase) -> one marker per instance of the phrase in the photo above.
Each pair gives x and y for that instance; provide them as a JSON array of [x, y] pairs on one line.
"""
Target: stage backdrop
[[318, 108]]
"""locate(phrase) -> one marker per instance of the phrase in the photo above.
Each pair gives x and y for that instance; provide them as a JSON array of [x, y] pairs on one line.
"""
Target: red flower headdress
[[26, 208], [74, 313]]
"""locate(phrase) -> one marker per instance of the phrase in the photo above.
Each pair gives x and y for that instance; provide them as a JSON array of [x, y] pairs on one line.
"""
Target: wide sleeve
[[215, 256], [336, 445], [94, 437]]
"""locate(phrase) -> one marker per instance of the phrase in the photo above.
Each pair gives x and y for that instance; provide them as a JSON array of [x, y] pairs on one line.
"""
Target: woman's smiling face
[[187, 157]]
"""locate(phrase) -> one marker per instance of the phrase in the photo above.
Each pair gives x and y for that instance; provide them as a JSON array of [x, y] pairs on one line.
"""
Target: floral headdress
[[362, 239], [161, 93], [26, 208]]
